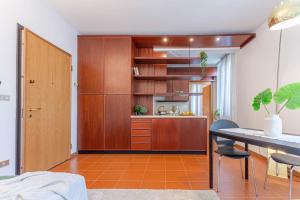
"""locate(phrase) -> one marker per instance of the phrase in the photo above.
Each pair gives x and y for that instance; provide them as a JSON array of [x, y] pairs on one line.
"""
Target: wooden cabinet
[[180, 86], [176, 87], [117, 65], [90, 122], [117, 122], [166, 134], [141, 134], [104, 100], [90, 64], [175, 134], [193, 134]]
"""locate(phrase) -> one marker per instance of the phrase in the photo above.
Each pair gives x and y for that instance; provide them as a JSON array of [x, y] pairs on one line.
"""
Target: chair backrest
[[220, 124], [223, 123]]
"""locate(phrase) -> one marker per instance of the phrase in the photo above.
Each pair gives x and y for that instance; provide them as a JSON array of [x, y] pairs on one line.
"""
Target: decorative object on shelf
[[188, 113], [203, 62], [217, 114], [287, 96], [140, 110], [286, 15], [161, 110], [136, 71]]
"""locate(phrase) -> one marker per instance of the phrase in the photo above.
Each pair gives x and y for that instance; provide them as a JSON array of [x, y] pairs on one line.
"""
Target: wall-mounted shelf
[[167, 94], [174, 77], [164, 60]]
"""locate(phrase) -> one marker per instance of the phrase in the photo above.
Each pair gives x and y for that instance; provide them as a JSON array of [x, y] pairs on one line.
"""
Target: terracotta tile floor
[[157, 171]]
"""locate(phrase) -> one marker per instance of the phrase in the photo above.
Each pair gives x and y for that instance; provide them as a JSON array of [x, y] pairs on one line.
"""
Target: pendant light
[[286, 15]]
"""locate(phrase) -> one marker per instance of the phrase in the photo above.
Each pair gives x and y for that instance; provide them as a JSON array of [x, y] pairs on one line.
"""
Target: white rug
[[139, 194]]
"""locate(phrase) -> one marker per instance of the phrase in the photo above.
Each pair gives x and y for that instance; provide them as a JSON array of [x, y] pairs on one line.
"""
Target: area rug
[[139, 194]]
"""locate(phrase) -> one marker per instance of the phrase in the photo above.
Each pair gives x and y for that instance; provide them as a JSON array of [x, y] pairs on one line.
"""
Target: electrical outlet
[[4, 97], [4, 163]]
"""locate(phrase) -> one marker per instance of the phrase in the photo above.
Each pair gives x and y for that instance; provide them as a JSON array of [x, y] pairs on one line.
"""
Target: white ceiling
[[164, 16]]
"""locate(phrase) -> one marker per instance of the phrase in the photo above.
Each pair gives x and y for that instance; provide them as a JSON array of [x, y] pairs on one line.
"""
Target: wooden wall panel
[[117, 122], [117, 65], [91, 122], [90, 64]]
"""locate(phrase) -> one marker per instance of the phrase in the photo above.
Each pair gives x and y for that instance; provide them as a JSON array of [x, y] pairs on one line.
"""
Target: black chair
[[226, 148], [287, 160]]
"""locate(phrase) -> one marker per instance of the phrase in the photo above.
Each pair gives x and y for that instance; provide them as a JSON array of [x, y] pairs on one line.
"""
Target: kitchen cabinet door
[[165, 134], [90, 65], [117, 65], [117, 122], [193, 134], [90, 122], [180, 86]]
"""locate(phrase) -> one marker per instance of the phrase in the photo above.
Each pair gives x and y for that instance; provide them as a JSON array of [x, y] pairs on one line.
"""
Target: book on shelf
[[136, 71]]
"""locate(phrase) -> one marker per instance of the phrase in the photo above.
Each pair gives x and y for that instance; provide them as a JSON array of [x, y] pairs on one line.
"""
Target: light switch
[[4, 97], [4, 163]]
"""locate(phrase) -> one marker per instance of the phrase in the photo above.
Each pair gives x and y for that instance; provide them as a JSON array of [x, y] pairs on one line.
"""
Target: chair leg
[[266, 176], [253, 176], [241, 165], [219, 174], [291, 182]]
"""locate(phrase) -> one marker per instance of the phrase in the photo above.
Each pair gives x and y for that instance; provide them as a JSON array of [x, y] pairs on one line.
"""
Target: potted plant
[[203, 61], [287, 97], [217, 115], [140, 110]]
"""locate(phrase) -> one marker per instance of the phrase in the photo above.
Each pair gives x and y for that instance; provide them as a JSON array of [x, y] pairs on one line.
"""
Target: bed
[[44, 186]]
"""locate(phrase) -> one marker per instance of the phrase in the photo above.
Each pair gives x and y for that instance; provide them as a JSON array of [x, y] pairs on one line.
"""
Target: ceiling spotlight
[[191, 39], [218, 39], [165, 39]]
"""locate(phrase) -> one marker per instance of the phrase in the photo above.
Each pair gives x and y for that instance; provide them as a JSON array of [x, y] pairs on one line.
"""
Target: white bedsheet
[[44, 186]]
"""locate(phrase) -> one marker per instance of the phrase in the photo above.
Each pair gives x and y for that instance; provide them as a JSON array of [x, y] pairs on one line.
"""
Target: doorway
[[44, 104]]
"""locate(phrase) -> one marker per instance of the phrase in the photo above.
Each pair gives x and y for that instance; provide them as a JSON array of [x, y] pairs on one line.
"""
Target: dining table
[[287, 143]]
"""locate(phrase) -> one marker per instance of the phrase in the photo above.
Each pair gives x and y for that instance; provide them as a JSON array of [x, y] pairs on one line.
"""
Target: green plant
[[287, 96], [203, 61], [140, 109], [217, 114]]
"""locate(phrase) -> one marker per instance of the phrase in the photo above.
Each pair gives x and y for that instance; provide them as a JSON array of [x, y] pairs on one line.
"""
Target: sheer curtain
[[196, 101], [226, 87]]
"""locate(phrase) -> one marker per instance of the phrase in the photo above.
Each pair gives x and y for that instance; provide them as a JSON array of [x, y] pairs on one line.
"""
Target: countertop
[[167, 116]]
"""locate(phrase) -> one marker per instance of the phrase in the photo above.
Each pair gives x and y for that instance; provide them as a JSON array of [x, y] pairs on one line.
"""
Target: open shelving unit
[[166, 60], [174, 77]]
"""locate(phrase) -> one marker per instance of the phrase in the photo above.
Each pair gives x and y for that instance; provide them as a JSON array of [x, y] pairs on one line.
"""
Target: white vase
[[273, 126]]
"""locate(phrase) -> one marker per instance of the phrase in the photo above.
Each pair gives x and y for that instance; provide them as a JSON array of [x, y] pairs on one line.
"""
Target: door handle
[[34, 109]]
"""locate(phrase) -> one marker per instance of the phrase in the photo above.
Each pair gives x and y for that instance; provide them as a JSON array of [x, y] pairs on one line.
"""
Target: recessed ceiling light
[[218, 39], [191, 39], [165, 39]]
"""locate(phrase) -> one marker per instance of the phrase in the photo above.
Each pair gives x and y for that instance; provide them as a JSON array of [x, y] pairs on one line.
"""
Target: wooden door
[[90, 64], [90, 122], [117, 65], [46, 104], [117, 122], [193, 134], [165, 134]]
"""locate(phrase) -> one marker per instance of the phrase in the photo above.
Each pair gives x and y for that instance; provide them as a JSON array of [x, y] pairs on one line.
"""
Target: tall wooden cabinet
[[117, 122], [104, 92], [117, 62]]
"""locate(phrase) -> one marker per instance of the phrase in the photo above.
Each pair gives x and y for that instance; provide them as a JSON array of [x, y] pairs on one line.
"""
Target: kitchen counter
[[167, 116], [168, 133]]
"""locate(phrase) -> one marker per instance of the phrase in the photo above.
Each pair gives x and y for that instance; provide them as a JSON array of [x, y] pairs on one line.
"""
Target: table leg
[[246, 163], [211, 178]]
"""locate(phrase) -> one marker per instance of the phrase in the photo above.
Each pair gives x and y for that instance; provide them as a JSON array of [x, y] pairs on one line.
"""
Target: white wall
[[256, 70], [41, 19]]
